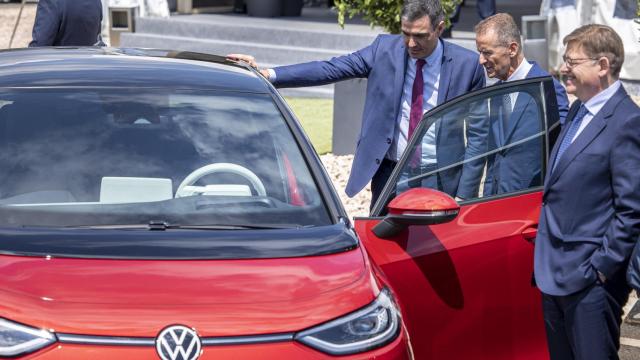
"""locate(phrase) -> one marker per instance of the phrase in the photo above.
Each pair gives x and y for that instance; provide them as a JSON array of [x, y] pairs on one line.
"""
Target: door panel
[[465, 287]]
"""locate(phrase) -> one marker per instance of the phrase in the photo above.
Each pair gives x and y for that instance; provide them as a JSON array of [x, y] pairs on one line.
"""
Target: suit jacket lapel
[[445, 79], [597, 124], [400, 67], [521, 103], [554, 152], [496, 122], [589, 133], [521, 106], [445, 73]]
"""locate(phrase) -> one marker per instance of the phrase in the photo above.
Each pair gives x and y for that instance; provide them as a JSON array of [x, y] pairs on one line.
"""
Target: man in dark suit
[[67, 23], [590, 217], [514, 125], [398, 94]]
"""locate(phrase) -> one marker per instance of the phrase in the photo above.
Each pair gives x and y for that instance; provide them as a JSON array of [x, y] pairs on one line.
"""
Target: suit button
[[378, 161], [388, 140]]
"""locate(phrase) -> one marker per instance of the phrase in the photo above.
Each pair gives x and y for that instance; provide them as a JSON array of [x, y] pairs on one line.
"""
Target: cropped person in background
[[485, 9], [67, 23]]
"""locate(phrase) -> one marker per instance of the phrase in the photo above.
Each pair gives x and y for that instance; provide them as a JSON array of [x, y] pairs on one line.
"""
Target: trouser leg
[[586, 325], [380, 180], [486, 8], [554, 322]]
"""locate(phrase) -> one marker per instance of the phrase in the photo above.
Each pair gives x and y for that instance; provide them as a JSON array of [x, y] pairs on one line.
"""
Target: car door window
[[490, 144]]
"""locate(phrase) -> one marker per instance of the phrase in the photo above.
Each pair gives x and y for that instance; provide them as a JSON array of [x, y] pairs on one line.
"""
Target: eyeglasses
[[571, 63]]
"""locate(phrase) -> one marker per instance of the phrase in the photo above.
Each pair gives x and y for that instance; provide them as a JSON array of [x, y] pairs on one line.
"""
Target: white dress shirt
[[595, 104], [520, 73], [431, 77]]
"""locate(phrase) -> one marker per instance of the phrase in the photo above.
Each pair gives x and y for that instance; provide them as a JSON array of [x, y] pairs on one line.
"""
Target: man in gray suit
[[67, 23]]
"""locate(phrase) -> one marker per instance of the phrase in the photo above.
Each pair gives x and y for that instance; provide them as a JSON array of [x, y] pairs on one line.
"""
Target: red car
[[168, 205]]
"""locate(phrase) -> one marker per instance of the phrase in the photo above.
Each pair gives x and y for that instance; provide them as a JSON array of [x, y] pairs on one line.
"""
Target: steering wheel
[[199, 173]]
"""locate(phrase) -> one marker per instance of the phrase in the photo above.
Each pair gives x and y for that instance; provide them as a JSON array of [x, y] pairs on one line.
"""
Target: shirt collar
[[522, 71], [597, 102], [434, 58]]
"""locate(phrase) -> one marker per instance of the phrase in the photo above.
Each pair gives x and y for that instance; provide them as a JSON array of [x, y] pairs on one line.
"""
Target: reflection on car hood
[[218, 297]]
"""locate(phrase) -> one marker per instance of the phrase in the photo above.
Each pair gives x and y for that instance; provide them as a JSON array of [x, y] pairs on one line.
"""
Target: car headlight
[[16, 339], [370, 327]]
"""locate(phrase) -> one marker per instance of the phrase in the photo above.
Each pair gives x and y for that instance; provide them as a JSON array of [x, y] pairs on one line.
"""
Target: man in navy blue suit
[[514, 122], [397, 96], [590, 216], [67, 23]]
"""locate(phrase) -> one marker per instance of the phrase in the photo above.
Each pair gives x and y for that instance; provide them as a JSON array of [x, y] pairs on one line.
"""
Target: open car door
[[462, 270]]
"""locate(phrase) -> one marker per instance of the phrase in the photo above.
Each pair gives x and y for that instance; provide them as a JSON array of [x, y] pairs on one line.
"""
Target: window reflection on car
[[122, 156]]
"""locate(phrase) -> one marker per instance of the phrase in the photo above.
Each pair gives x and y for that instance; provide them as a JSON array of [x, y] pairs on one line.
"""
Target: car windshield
[[77, 157]]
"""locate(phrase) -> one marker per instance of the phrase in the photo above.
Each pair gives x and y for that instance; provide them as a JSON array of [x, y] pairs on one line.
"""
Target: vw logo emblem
[[178, 342]]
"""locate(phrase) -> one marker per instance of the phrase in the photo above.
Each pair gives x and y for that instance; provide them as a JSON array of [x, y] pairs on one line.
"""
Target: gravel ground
[[338, 168], [8, 15]]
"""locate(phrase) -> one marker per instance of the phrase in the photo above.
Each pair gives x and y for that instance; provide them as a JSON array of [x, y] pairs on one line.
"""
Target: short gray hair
[[505, 28], [413, 10]]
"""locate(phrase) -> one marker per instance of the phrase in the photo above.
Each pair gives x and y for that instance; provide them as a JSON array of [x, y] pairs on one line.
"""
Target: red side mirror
[[418, 206]]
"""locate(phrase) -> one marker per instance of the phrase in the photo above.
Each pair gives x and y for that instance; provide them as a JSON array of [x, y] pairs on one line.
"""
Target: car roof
[[125, 67]]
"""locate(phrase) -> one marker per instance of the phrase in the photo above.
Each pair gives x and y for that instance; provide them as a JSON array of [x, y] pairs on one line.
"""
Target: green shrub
[[384, 13]]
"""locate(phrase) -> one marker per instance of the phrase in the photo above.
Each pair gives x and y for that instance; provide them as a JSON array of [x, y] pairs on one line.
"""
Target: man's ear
[[513, 49], [605, 66], [440, 28]]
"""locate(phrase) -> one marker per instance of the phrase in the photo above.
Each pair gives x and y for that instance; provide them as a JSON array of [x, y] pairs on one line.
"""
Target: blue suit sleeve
[[478, 78], [624, 229], [46, 25], [354, 65], [633, 273], [563, 101]]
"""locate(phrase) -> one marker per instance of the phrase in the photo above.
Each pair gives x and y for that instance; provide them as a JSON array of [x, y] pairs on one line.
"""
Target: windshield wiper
[[157, 225], [163, 225]]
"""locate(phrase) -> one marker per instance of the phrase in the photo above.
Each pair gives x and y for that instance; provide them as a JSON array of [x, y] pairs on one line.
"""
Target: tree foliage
[[384, 13]]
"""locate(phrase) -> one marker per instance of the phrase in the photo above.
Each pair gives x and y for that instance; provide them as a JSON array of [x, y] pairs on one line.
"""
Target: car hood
[[217, 297]]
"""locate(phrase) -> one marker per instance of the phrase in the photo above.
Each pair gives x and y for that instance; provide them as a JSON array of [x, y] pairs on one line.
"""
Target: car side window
[[481, 146]]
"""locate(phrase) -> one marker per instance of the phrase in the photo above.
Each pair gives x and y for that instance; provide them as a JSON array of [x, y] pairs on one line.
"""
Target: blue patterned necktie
[[571, 133], [506, 113]]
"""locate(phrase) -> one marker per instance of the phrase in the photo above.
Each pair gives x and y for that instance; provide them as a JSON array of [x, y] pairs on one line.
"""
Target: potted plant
[[384, 13]]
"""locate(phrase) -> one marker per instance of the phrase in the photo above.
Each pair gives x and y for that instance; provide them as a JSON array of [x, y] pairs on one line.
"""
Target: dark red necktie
[[416, 110], [416, 98]]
